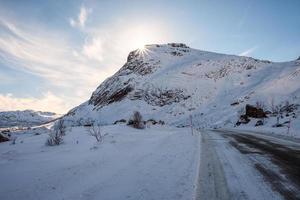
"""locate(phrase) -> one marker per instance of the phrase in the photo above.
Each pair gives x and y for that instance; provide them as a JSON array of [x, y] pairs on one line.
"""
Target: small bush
[[260, 105], [55, 138], [95, 131], [136, 121], [60, 128], [13, 140]]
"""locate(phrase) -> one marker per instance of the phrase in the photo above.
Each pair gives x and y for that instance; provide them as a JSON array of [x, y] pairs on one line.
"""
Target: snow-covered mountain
[[25, 118], [171, 82]]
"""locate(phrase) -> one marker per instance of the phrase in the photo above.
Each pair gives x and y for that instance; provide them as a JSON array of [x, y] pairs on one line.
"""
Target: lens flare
[[142, 50]]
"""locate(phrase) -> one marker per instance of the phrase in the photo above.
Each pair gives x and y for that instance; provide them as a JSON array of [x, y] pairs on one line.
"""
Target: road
[[236, 165]]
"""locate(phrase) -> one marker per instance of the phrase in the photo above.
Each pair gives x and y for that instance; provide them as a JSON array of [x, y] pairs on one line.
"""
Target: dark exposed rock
[[114, 90], [120, 121], [132, 55], [136, 64], [237, 123], [161, 122], [3, 139], [243, 120], [108, 97], [248, 67], [154, 122], [277, 125], [252, 111], [259, 123], [151, 121], [178, 45], [235, 103], [147, 68], [232, 66], [160, 97], [119, 95], [176, 53], [5, 131]]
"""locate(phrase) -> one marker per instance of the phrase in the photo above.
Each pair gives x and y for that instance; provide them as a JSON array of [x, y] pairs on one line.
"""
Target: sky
[[53, 54]]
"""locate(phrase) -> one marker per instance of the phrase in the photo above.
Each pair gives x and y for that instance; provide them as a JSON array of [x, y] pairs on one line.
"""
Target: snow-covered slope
[[25, 118], [171, 82]]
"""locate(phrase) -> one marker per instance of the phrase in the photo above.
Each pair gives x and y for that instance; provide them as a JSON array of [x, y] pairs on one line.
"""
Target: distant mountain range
[[25, 118]]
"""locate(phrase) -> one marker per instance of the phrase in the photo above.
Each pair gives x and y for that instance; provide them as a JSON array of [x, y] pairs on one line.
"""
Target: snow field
[[155, 163]]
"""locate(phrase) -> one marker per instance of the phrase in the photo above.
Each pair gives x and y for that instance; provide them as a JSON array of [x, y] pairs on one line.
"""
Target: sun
[[140, 43], [141, 38], [141, 47]]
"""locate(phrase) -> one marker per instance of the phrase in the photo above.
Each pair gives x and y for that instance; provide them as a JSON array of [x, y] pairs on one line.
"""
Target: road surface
[[236, 165]]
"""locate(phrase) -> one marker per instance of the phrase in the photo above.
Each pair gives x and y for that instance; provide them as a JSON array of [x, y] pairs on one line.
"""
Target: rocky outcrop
[[3, 139], [181, 45], [108, 97], [259, 123], [243, 120], [231, 66], [136, 64], [252, 111], [123, 83], [159, 97]]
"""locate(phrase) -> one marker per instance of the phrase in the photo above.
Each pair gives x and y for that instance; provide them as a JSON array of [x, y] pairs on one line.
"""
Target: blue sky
[[53, 54]]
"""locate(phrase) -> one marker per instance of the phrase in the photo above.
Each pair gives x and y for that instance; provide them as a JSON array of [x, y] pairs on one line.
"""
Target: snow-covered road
[[239, 165]]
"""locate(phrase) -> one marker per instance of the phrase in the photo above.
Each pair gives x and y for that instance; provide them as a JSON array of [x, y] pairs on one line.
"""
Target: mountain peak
[[174, 45], [174, 49], [171, 81]]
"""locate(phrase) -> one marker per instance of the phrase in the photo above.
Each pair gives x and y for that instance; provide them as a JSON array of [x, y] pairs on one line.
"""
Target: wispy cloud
[[51, 56], [93, 49], [81, 18], [249, 51], [73, 69], [48, 102], [112, 44]]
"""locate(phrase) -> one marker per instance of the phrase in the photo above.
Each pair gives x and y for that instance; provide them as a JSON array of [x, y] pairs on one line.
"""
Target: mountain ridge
[[25, 118], [169, 82]]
